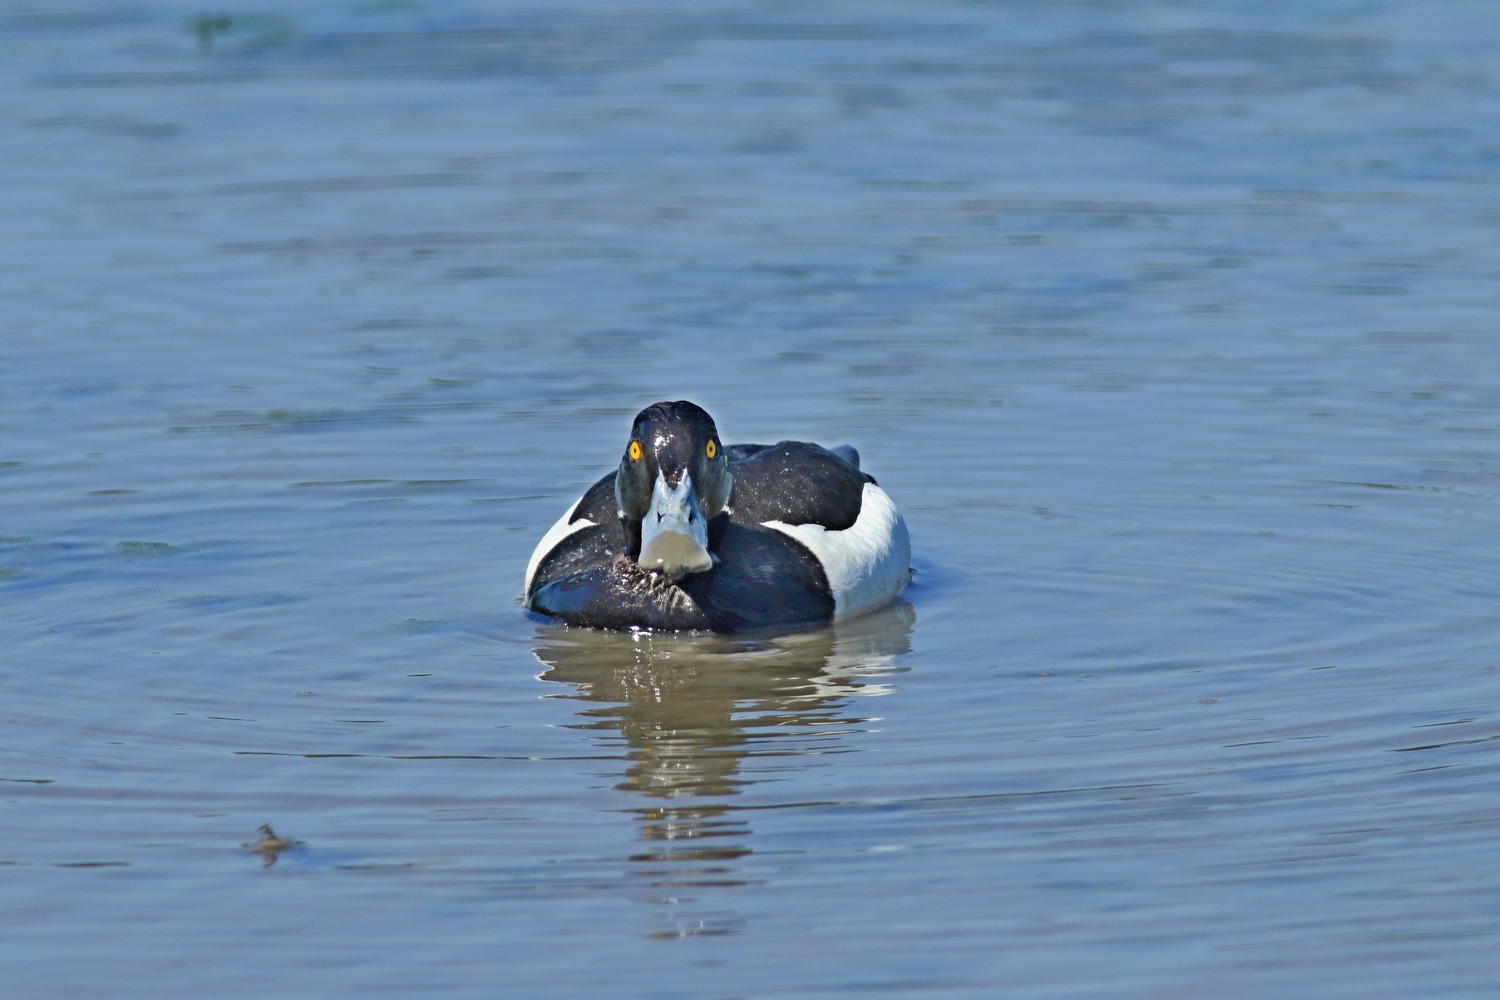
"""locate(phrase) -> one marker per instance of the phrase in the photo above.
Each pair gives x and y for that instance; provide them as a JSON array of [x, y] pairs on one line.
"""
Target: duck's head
[[673, 479]]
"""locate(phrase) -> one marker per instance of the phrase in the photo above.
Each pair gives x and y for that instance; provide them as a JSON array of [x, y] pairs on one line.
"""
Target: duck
[[688, 534]]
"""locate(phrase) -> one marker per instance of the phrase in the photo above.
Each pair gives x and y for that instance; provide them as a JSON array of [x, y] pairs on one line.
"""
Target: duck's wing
[[825, 506], [588, 534]]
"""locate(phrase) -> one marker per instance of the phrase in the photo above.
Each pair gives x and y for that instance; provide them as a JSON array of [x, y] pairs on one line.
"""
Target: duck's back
[[795, 482]]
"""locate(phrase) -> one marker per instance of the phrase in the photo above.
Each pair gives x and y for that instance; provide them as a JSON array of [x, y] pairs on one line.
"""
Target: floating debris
[[270, 846]]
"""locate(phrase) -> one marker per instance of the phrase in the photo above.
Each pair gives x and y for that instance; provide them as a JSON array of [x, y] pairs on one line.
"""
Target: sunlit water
[[1170, 326]]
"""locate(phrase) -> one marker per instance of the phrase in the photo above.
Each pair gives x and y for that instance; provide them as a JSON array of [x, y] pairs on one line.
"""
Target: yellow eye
[[635, 451], [711, 450]]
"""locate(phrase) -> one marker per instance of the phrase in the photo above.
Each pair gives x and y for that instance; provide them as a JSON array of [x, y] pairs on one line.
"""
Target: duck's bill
[[674, 532]]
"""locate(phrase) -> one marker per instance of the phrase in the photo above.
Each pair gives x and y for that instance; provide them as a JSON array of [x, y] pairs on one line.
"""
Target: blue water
[[1171, 327]]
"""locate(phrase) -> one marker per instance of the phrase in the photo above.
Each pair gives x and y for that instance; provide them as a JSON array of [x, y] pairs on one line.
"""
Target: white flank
[[869, 562], [555, 534]]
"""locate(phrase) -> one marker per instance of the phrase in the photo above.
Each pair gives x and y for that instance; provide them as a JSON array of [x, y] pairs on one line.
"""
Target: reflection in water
[[693, 709]]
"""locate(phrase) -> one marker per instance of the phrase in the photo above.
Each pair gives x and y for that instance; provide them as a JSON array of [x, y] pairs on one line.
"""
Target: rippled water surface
[[1171, 326]]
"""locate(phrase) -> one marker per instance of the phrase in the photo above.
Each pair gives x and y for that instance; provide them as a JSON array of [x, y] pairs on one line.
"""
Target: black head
[[674, 469]]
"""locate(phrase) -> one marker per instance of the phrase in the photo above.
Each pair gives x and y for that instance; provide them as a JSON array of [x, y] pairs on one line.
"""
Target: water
[[1170, 326]]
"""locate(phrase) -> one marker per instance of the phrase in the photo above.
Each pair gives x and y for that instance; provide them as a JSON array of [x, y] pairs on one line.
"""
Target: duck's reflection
[[701, 717]]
